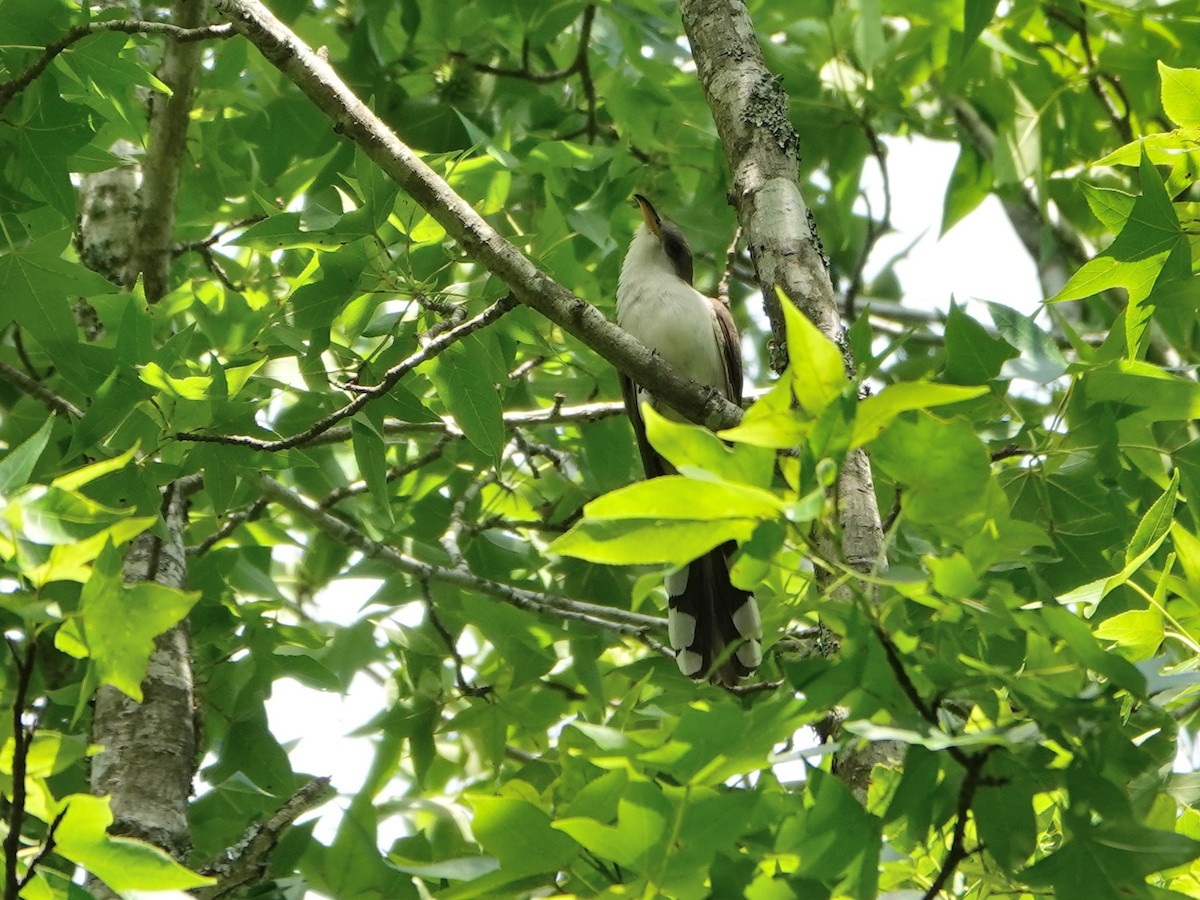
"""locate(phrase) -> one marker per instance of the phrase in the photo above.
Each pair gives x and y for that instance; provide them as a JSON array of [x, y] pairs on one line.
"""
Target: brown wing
[[652, 464], [726, 333]]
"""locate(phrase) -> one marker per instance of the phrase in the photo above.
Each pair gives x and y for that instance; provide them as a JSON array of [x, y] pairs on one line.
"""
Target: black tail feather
[[714, 627]]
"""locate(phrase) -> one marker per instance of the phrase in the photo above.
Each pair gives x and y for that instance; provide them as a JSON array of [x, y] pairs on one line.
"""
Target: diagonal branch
[[481, 241], [364, 394], [247, 860], [624, 622], [39, 391], [338, 494]]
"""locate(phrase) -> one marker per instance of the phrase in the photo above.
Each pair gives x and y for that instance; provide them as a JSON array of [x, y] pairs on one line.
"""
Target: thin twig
[[624, 622], [731, 257], [338, 494], [19, 344], [10, 88], [22, 736], [584, 412], [958, 847], [47, 847], [216, 236], [365, 394], [1008, 451], [452, 537], [526, 367], [39, 391], [228, 527], [466, 687], [525, 73], [585, 71], [927, 712], [1098, 82]]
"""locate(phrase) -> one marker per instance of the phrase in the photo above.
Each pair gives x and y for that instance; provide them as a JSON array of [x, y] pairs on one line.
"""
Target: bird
[[713, 626]]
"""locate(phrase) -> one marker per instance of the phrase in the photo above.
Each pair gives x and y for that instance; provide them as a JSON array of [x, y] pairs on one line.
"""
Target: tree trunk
[[126, 229]]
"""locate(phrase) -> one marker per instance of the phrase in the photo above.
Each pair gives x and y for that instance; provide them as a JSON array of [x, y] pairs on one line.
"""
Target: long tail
[[713, 626]]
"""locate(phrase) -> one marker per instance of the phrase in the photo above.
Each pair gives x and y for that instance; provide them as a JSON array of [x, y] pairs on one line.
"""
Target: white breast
[[667, 314]]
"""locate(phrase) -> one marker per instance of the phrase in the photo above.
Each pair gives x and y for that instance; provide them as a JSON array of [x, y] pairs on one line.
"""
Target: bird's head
[[659, 244]]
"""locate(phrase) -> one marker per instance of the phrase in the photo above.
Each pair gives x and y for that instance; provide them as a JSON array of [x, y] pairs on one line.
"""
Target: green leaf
[[190, 387], [1040, 358], [640, 541], [1163, 149], [869, 45], [1109, 859], [942, 466], [117, 623], [1076, 634], [976, 16], [471, 398], [520, 836], [1005, 816], [1140, 631], [1153, 527], [643, 816], [353, 867], [877, 412], [1136, 257], [970, 183], [678, 498], [972, 355], [1152, 530], [370, 452], [696, 451], [772, 422], [124, 864], [1154, 395], [834, 837], [50, 753], [36, 283], [18, 463], [76, 479], [283, 231], [1181, 94], [51, 515], [815, 364], [1110, 206]]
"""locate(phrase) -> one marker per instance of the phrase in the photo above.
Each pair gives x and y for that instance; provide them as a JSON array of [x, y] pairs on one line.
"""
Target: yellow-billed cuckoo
[[713, 626]]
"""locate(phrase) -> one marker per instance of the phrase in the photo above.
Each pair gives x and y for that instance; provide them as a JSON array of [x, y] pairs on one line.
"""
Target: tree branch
[[338, 494], [478, 239], [247, 860], [364, 395], [169, 116], [21, 738], [958, 847], [228, 527], [525, 73], [762, 150], [39, 391], [630, 624], [10, 88], [467, 688], [1099, 82], [47, 848]]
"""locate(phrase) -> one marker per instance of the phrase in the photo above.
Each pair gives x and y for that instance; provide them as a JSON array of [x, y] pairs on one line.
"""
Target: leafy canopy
[[475, 538]]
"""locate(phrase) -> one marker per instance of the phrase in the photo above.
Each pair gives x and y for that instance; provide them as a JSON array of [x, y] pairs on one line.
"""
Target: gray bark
[[149, 753], [126, 228], [762, 150]]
